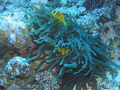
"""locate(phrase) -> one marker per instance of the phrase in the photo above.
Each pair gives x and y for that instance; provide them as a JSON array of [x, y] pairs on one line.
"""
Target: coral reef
[[63, 2], [16, 2], [92, 4], [2, 8], [13, 32], [39, 1], [110, 34], [118, 2], [109, 83], [71, 10], [36, 81], [111, 30], [16, 67], [87, 59], [12, 24]]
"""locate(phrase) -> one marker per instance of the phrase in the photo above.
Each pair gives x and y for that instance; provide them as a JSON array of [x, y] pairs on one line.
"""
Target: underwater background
[[59, 44]]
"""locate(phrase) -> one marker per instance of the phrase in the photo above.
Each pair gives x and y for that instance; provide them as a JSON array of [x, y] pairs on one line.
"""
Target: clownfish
[[63, 49], [58, 15]]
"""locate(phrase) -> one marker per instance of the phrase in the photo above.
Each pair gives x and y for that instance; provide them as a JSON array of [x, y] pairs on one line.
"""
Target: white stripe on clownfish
[[60, 16], [55, 13]]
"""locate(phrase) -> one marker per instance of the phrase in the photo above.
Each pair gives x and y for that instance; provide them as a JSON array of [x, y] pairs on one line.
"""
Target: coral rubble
[[87, 59], [45, 81]]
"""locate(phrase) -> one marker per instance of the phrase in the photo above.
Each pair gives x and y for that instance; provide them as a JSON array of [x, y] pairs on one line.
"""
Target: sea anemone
[[87, 59]]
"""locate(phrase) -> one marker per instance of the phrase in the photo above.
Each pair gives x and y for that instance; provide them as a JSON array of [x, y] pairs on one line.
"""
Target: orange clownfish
[[58, 15], [63, 49]]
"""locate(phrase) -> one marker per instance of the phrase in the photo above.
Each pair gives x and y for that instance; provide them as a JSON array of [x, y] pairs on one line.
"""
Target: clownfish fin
[[59, 49], [67, 51], [64, 23]]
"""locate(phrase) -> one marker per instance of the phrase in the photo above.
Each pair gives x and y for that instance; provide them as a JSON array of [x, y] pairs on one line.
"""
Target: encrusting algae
[[86, 58]]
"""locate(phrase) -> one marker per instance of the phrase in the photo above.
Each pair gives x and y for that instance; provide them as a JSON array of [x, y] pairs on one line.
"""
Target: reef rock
[[17, 67]]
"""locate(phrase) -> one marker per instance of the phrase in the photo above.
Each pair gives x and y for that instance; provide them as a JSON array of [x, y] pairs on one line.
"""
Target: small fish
[[58, 15], [63, 49]]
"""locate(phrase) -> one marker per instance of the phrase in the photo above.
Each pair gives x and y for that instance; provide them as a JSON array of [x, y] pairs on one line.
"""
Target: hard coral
[[87, 58], [16, 67]]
